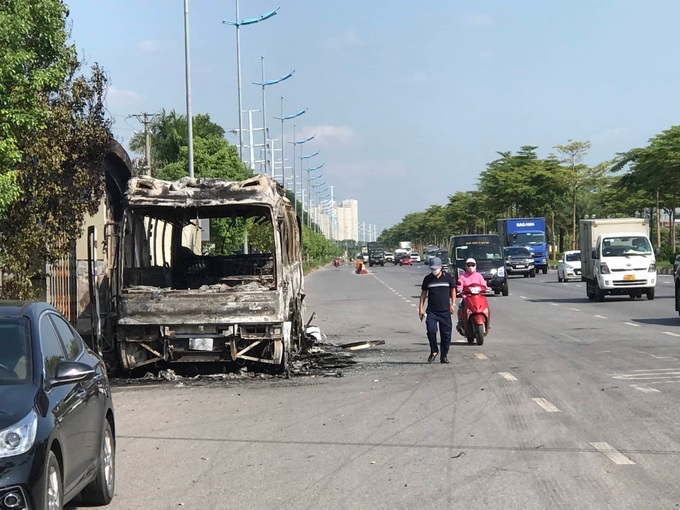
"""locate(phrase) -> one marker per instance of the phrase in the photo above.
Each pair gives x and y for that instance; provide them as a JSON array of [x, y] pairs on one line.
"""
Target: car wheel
[[559, 278], [53, 493], [100, 491], [650, 294], [532, 274], [504, 289]]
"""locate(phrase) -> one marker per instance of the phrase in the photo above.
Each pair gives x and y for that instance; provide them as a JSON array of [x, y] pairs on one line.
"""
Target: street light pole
[[284, 118], [264, 84], [238, 23], [187, 72], [295, 143]]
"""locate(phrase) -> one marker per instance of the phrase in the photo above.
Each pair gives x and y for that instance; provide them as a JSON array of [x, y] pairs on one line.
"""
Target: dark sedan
[[518, 260], [56, 414]]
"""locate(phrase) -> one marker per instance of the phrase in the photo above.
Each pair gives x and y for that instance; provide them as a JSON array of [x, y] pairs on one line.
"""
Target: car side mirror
[[72, 371], [594, 254]]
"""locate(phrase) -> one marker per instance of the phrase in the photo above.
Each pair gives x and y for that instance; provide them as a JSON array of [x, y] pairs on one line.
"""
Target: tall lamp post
[[295, 144], [284, 118], [309, 189], [302, 179], [238, 24], [264, 83], [187, 73]]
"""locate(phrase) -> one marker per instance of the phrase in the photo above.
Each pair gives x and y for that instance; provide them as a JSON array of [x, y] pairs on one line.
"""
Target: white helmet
[[471, 261]]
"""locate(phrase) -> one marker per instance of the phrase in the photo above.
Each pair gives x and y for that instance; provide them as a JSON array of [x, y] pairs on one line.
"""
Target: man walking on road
[[439, 288]]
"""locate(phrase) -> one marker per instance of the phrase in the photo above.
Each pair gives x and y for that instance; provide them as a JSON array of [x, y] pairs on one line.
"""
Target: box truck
[[528, 233], [617, 258]]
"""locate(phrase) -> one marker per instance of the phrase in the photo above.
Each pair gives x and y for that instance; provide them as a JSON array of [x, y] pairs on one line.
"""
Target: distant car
[[518, 260], [415, 256], [444, 256], [406, 260], [569, 266], [56, 414], [389, 256]]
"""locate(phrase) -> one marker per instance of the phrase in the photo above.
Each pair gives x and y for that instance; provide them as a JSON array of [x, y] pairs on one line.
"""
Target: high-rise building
[[347, 214]]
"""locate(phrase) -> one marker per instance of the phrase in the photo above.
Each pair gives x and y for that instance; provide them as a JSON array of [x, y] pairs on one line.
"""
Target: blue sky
[[409, 100]]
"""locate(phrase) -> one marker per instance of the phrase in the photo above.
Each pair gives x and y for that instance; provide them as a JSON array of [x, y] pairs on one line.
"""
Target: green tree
[[577, 175], [60, 182], [35, 59]]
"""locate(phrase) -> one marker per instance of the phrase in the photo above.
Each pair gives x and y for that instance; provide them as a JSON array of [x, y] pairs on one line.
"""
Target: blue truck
[[529, 233]]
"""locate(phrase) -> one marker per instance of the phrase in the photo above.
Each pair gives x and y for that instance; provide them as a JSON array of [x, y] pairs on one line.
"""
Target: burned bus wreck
[[209, 270]]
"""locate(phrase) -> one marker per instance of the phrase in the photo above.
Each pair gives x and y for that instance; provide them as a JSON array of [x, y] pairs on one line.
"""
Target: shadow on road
[[662, 321]]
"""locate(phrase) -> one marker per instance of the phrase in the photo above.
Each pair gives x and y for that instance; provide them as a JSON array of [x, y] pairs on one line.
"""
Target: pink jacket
[[470, 279]]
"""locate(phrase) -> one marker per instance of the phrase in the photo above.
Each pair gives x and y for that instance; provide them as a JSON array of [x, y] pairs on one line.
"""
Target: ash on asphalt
[[322, 359]]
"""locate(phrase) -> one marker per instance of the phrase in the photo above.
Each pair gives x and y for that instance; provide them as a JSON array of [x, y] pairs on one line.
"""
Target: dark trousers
[[443, 319]]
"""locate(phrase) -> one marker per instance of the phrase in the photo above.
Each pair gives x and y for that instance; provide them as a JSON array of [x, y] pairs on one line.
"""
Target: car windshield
[[15, 352], [625, 246], [529, 238], [479, 252], [573, 257], [517, 252]]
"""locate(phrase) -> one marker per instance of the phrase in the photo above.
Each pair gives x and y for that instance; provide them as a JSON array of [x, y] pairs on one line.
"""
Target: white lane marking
[[632, 324], [507, 376], [523, 297], [603, 317], [670, 333], [612, 453], [661, 357], [413, 304], [553, 304], [548, 406], [407, 301], [644, 389], [576, 309], [479, 355]]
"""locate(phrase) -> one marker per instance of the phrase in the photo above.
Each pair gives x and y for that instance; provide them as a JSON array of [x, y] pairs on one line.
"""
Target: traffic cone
[[363, 269]]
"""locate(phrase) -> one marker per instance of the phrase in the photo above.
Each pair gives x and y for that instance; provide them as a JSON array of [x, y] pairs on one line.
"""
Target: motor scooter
[[474, 316]]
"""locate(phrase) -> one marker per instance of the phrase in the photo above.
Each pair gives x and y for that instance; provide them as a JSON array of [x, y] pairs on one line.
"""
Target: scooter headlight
[[493, 272]]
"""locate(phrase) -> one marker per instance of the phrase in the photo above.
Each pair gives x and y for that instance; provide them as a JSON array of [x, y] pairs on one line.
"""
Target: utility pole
[[146, 119]]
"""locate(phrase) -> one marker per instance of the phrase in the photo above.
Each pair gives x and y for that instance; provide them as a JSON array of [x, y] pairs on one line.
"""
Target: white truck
[[617, 258]]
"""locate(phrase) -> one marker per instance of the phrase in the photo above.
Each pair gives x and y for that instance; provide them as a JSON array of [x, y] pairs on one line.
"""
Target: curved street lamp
[[265, 83], [284, 118], [238, 24], [295, 144]]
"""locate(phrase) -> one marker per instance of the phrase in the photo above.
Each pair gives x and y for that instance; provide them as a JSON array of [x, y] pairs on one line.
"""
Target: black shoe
[[432, 356], [445, 360]]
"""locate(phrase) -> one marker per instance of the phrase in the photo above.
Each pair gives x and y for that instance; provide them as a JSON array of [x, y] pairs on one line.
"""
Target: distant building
[[347, 214]]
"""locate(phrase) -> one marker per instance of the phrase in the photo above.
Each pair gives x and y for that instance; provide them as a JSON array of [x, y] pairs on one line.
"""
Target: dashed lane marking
[[413, 304], [644, 389], [546, 405], [523, 297], [655, 376], [661, 357], [553, 304], [632, 324], [670, 333], [575, 309], [479, 355], [612, 453], [603, 317], [507, 376]]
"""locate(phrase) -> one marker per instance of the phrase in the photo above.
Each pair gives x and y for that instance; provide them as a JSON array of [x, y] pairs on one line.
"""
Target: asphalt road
[[568, 404]]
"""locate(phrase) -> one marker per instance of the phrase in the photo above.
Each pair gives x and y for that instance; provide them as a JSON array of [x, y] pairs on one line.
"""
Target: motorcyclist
[[469, 277]]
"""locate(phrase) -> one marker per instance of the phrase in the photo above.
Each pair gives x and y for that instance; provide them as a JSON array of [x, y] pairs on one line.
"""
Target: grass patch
[[310, 266]]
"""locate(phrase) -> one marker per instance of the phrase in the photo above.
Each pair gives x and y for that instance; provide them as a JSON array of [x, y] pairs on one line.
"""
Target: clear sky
[[409, 100]]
